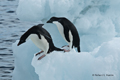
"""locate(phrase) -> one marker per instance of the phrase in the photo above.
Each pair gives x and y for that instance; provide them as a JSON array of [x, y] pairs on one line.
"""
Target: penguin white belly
[[71, 40], [61, 30], [40, 43]]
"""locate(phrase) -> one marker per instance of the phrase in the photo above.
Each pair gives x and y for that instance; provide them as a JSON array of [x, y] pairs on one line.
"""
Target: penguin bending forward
[[67, 30], [41, 38]]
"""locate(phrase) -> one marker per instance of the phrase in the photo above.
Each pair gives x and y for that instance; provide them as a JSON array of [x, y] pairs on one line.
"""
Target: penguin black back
[[68, 26], [39, 30]]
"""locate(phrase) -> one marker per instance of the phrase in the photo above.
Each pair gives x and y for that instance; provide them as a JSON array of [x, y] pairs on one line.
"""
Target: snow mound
[[23, 58], [104, 60], [81, 66]]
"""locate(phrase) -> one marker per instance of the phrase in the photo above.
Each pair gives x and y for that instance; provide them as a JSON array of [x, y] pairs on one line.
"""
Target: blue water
[[11, 28], [7, 37]]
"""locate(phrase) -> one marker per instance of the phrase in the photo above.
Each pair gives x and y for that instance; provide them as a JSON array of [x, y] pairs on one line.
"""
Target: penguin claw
[[41, 57], [39, 53], [66, 50]]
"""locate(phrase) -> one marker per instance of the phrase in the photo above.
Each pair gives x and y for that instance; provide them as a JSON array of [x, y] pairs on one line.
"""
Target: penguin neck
[[57, 23], [26, 36], [59, 26]]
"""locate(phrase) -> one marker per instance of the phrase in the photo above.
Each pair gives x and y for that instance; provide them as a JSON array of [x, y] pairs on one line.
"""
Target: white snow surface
[[103, 60], [81, 66], [98, 24]]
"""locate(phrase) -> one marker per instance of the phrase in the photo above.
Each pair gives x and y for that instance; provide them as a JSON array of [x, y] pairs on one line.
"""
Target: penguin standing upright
[[67, 30], [41, 38]]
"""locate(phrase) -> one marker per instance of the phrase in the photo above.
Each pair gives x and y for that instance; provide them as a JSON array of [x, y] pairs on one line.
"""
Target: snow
[[23, 58], [103, 60], [97, 22]]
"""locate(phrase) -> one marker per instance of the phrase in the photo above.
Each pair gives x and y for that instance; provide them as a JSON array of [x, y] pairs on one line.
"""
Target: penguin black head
[[52, 19], [22, 40], [37, 29]]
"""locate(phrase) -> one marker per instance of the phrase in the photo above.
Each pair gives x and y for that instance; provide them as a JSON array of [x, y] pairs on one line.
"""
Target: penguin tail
[[58, 49], [78, 49]]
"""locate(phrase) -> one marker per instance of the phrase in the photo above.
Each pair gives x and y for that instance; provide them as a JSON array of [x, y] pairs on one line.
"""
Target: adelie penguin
[[41, 38], [67, 30]]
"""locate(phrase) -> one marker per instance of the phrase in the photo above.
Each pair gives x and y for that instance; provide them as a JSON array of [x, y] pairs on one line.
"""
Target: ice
[[103, 60], [75, 66], [98, 24], [23, 58]]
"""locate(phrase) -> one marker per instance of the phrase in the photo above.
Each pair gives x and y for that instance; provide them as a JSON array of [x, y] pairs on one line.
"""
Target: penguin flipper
[[66, 32], [39, 35], [45, 35], [58, 49]]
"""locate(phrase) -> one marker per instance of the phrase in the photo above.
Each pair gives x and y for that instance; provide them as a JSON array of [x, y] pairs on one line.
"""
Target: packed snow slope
[[98, 24], [103, 60]]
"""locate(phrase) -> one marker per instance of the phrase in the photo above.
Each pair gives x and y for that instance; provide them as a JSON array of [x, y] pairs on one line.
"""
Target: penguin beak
[[49, 21], [18, 44]]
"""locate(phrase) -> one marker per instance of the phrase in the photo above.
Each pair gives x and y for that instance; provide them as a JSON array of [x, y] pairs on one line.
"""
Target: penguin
[[67, 30], [41, 38]]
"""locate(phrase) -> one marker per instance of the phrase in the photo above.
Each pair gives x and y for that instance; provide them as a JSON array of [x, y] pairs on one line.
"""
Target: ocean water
[[11, 28], [8, 22]]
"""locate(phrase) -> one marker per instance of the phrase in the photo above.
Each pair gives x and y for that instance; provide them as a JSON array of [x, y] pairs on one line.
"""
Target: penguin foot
[[39, 53], [41, 57], [65, 45], [66, 50]]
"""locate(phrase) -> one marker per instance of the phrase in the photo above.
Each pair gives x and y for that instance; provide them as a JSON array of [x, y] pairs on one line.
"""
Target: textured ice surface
[[23, 58], [103, 60]]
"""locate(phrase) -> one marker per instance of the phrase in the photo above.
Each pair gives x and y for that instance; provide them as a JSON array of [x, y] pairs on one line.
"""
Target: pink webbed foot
[[41, 57], [66, 50], [39, 53]]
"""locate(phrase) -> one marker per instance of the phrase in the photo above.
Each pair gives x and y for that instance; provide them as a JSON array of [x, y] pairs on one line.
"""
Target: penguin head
[[52, 19], [22, 40]]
